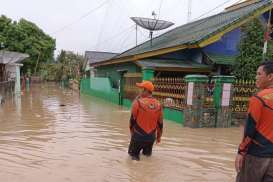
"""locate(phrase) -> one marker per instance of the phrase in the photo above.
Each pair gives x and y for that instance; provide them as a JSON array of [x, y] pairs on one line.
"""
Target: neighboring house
[[206, 46], [10, 63], [96, 56]]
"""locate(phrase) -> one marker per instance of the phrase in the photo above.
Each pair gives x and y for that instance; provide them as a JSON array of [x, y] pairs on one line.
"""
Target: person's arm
[[133, 117], [159, 129], [254, 114]]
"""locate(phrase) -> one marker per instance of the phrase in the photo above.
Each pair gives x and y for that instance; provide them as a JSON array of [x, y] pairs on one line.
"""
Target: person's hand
[[158, 140], [239, 162]]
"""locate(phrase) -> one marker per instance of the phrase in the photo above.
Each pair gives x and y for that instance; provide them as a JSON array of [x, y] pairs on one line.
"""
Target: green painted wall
[[174, 115], [100, 87], [112, 73], [127, 103]]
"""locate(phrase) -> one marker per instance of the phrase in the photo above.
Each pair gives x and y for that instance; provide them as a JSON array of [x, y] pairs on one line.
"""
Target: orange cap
[[146, 85]]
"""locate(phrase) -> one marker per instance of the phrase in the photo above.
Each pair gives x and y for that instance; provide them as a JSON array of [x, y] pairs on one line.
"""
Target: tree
[[68, 66], [72, 64], [26, 37], [251, 48]]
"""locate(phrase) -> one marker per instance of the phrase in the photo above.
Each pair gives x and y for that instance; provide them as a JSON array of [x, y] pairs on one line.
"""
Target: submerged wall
[[101, 87]]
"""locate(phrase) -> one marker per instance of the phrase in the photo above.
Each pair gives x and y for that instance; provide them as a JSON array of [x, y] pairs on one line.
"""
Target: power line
[[102, 24], [115, 36], [206, 13], [189, 10], [160, 5], [82, 17]]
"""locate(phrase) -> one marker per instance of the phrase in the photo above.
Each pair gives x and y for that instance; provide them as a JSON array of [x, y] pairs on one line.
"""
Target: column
[[195, 97], [18, 80], [222, 98], [148, 74]]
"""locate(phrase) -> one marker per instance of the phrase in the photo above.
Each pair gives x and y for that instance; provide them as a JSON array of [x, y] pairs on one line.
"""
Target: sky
[[104, 25]]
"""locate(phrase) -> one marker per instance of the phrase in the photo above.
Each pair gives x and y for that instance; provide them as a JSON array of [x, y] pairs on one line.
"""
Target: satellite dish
[[152, 24]]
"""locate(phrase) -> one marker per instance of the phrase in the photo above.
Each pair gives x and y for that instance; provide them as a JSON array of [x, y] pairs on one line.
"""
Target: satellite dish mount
[[151, 24]]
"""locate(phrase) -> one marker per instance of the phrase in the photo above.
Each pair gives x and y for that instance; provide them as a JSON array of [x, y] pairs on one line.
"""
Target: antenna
[[189, 10], [151, 24]]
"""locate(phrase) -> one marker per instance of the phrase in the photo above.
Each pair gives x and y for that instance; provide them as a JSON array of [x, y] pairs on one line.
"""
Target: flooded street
[[56, 135]]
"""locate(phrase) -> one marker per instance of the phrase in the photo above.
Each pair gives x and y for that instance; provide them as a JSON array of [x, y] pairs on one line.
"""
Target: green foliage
[[68, 66], [251, 49], [26, 37]]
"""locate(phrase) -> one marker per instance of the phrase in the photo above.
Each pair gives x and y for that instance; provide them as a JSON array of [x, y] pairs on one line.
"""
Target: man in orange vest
[[146, 122], [254, 161]]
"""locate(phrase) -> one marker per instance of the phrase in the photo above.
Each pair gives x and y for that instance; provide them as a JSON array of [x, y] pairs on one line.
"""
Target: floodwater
[[55, 135]]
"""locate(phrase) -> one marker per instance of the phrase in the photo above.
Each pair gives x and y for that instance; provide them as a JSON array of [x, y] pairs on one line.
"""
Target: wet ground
[[55, 135]]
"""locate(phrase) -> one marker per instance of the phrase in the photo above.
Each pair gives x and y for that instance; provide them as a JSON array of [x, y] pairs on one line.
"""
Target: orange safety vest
[[146, 116], [258, 138]]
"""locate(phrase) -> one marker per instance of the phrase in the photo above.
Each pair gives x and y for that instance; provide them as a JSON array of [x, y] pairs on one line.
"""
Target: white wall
[[11, 71]]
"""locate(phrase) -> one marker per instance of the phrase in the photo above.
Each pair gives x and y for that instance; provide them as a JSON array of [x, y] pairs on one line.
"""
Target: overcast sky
[[103, 25]]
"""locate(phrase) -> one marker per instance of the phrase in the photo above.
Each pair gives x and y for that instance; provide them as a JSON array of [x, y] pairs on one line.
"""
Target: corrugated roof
[[97, 56], [9, 57], [196, 31], [171, 63]]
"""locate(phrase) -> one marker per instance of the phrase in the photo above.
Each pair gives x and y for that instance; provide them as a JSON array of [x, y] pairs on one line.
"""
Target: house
[[207, 46], [96, 56], [10, 63]]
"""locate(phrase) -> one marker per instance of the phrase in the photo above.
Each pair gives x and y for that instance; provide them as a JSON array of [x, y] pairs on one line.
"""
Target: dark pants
[[256, 169], [136, 146]]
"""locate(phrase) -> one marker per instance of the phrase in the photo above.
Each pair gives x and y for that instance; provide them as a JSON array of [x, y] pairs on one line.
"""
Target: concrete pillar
[[18, 79], [148, 74], [195, 99], [92, 72], [222, 98]]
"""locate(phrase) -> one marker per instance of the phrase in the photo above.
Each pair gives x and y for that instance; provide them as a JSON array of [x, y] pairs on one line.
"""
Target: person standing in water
[[146, 122]]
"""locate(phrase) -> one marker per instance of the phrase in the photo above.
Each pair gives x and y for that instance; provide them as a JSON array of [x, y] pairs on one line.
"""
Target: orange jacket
[[258, 136], [146, 121]]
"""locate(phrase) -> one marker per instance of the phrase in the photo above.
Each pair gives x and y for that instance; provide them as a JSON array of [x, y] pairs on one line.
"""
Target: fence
[[170, 91], [7, 88], [243, 90], [130, 89]]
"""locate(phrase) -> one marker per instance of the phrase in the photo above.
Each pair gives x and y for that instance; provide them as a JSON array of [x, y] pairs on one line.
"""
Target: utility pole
[[136, 34]]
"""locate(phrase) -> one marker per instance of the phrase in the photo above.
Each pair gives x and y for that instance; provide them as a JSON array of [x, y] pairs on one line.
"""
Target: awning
[[222, 59], [173, 65], [8, 57]]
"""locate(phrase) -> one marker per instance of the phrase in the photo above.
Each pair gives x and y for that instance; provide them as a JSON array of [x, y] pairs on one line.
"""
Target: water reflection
[[59, 136]]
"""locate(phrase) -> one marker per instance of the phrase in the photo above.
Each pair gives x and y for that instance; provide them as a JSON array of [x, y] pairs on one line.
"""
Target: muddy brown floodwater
[[55, 135]]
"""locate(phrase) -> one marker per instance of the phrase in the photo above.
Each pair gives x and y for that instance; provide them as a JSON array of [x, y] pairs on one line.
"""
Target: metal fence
[[243, 90], [170, 91]]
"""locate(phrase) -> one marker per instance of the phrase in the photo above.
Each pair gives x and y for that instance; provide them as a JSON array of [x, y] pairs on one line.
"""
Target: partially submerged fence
[[216, 102], [7, 88]]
